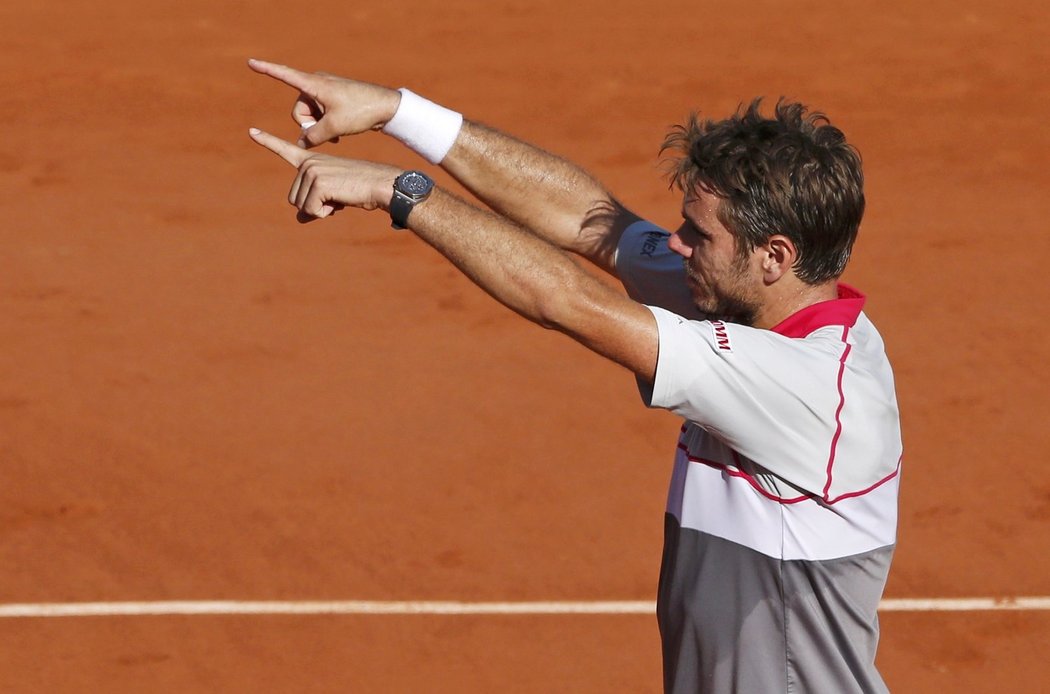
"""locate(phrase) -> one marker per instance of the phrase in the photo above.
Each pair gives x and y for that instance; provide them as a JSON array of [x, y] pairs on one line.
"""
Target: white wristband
[[428, 129]]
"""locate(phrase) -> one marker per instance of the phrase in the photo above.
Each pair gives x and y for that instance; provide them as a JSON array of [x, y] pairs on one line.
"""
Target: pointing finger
[[285, 150], [303, 81]]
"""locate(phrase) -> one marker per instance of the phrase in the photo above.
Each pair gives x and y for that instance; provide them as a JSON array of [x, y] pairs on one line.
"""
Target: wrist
[[427, 128], [389, 105]]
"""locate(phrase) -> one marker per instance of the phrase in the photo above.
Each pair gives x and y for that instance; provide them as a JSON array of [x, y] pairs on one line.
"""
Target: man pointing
[[781, 516]]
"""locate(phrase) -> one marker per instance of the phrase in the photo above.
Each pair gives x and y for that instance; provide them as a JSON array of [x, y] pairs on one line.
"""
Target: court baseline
[[376, 607]]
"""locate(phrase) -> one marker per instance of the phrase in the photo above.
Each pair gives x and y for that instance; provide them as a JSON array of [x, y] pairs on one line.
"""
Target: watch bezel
[[407, 181]]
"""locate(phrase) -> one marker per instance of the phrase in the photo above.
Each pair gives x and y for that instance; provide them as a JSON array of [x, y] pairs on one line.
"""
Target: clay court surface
[[202, 400]]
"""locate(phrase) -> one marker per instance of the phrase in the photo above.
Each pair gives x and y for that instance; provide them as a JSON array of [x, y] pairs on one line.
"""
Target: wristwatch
[[410, 189]]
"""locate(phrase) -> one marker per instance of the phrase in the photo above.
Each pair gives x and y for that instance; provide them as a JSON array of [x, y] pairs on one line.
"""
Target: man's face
[[724, 283]]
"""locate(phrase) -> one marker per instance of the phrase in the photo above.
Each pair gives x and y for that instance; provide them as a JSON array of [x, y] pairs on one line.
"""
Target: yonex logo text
[[652, 242]]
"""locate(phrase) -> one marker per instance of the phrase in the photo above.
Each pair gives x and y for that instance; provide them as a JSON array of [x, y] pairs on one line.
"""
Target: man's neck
[[790, 296]]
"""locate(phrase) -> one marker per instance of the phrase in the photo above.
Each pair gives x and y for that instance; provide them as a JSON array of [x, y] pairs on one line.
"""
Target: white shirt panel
[[871, 433], [725, 504], [766, 396]]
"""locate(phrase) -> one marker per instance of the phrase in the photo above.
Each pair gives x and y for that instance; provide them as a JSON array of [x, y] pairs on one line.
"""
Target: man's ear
[[779, 254]]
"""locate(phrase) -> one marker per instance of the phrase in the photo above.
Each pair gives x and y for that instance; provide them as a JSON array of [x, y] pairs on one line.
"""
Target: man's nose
[[675, 243]]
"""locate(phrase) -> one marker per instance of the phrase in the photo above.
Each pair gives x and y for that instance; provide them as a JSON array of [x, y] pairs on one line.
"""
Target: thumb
[[313, 133]]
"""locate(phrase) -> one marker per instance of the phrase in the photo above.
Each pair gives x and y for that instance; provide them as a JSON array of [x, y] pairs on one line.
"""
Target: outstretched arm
[[549, 195], [554, 198], [526, 273]]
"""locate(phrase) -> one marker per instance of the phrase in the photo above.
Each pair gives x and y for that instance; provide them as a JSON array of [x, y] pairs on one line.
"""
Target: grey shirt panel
[[735, 620]]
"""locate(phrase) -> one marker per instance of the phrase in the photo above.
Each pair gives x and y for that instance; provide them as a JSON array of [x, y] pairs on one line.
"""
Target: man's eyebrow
[[695, 225]]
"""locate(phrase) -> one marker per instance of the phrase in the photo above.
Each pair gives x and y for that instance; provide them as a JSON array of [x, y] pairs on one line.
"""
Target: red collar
[[841, 311]]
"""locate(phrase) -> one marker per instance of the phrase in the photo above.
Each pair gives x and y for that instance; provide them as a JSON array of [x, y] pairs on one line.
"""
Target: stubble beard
[[730, 309], [730, 304]]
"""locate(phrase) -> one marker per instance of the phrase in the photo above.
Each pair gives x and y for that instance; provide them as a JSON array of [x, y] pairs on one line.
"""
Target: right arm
[[527, 274], [552, 197]]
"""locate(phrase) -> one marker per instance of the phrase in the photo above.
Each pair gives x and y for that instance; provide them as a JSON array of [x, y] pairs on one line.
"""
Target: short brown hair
[[792, 174]]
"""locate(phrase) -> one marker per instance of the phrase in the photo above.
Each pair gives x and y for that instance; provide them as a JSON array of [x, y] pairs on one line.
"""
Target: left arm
[[527, 274]]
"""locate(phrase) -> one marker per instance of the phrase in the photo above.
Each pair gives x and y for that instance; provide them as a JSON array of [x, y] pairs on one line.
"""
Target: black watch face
[[414, 184]]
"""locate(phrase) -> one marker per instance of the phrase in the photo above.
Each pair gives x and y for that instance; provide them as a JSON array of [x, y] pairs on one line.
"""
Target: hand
[[327, 184], [333, 105]]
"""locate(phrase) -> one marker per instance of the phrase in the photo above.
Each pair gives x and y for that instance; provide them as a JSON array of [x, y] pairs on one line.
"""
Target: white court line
[[374, 607], [963, 604]]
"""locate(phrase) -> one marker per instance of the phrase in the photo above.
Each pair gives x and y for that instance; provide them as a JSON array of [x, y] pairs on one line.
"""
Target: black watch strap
[[400, 206]]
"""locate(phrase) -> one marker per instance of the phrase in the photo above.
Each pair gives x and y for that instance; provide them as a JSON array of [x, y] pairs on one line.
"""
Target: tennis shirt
[[782, 510]]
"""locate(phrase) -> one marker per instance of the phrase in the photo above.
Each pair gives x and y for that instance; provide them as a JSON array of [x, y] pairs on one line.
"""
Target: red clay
[[200, 399]]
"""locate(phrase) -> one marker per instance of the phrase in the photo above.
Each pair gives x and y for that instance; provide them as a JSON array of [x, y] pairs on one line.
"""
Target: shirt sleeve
[[768, 397], [651, 272]]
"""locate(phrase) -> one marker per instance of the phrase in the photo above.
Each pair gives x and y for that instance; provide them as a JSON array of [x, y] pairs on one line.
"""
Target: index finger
[[303, 81], [292, 154]]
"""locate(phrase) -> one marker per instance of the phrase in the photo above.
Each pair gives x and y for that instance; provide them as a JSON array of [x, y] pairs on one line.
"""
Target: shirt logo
[[721, 336]]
